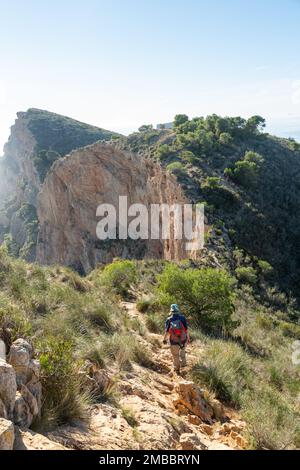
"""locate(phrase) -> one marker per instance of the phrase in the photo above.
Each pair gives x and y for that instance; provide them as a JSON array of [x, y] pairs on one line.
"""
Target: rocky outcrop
[[37, 138], [189, 441], [19, 184], [7, 434], [2, 350], [191, 397], [50, 191], [20, 387], [25, 439], [88, 177], [8, 389]]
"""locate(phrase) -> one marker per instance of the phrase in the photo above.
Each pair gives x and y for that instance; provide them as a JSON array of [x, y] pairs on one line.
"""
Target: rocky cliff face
[[74, 188], [37, 139], [52, 183], [19, 182]]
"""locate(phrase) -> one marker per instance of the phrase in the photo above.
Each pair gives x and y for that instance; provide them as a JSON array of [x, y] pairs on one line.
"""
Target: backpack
[[177, 331]]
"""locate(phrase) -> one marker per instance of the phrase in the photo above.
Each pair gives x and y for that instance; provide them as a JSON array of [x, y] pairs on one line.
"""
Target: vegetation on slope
[[248, 181], [71, 319]]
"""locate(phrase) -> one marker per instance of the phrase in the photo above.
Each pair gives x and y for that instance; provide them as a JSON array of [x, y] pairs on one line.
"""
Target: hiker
[[176, 327]]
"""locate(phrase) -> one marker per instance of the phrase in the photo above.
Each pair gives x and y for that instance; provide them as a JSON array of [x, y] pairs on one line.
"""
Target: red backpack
[[177, 331]]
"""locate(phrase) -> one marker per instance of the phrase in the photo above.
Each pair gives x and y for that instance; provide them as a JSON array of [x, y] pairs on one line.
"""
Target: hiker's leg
[[175, 353], [183, 356]]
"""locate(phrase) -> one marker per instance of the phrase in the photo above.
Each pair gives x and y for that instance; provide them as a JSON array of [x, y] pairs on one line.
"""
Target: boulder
[[8, 387], [19, 357], [236, 426], [189, 441], [30, 400], [7, 434], [3, 412], [218, 409], [191, 396], [22, 415], [20, 386], [194, 419], [35, 388], [209, 430], [2, 350]]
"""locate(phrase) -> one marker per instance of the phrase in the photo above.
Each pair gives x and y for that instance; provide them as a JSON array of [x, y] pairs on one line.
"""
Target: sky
[[119, 64]]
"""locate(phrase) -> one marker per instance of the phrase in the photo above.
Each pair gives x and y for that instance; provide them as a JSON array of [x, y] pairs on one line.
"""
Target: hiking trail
[[151, 414]]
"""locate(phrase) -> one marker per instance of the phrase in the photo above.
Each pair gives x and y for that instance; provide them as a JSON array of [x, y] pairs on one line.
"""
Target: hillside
[[94, 310], [249, 183], [100, 337]]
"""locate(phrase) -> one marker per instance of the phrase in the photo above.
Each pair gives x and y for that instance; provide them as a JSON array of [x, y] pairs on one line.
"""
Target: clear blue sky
[[121, 63]]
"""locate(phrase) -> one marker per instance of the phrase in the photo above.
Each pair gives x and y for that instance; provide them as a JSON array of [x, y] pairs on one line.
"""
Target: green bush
[[205, 295], [120, 275], [163, 152], [265, 268], [211, 182], [176, 167], [247, 170], [246, 275]]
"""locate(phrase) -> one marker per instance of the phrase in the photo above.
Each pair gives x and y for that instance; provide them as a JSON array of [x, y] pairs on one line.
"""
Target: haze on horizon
[[125, 63]]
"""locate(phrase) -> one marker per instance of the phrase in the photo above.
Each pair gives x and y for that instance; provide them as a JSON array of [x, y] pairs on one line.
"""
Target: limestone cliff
[[54, 174], [90, 176], [37, 139], [19, 182]]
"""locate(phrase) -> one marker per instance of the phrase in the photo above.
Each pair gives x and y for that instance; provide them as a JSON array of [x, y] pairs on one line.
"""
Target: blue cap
[[174, 308]]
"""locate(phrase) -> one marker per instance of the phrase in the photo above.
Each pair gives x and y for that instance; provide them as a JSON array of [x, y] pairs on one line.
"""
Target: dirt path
[[162, 355], [165, 383], [149, 414]]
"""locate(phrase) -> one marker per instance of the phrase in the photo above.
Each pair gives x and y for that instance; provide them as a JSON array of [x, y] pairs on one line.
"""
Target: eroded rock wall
[[88, 177]]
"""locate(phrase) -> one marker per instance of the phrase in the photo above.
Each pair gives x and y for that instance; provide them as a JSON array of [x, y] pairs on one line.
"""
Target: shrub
[[92, 351], [205, 294], [246, 171], [270, 419], [163, 152], [176, 167], [143, 305], [226, 370], [118, 347], [141, 356], [120, 275], [63, 398], [211, 182], [246, 275], [13, 318], [129, 416], [102, 316], [265, 268], [155, 323]]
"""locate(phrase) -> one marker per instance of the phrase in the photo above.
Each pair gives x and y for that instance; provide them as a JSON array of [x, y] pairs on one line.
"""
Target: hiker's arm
[[167, 326], [186, 325]]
